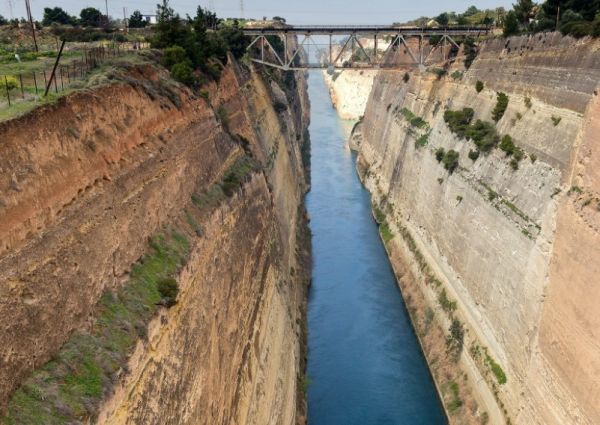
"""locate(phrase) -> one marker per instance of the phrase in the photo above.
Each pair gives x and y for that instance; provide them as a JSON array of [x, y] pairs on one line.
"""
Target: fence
[[30, 86]]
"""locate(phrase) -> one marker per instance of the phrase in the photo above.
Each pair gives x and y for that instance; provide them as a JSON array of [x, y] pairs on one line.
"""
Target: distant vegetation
[[192, 50], [575, 17]]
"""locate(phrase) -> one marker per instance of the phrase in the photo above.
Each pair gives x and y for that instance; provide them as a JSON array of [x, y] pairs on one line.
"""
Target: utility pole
[[242, 9], [106, 6], [28, 8], [557, 17], [125, 20], [10, 9]]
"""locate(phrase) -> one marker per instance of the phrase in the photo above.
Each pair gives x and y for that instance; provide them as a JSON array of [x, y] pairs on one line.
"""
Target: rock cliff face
[[505, 251], [349, 91], [87, 182]]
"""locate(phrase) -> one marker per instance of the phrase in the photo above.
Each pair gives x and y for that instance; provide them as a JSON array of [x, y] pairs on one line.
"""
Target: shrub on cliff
[[455, 339], [500, 108], [172, 55], [168, 290], [484, 135], [450, 160], [183, 73], [459, 121], [470, 50], [507, 145], [473, 155], [439, 154]]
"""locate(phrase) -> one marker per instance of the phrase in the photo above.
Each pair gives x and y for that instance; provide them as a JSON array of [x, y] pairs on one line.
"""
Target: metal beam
[[354, 34]]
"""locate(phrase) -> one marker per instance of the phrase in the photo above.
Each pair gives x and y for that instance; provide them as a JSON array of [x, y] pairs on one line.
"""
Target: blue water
[[364, 361]]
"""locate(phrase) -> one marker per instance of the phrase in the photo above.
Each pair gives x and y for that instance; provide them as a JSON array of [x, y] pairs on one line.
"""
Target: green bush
[[500, 108], [456, 75], [556, 120], [10, 82], [439, 72], [422, 141], [473, 155], [173, 55], [479, 86], [459, 121], [507, 145], [439, 154], [406, 77], [183, 73], [168, 290], [450, 160], [484, 135]]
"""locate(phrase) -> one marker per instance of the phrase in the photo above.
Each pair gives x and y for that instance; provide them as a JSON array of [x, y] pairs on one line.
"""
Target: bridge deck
[[366, 29]]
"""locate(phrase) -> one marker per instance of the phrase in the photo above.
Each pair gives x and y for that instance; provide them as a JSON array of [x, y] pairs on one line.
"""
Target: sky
[[296, 12]]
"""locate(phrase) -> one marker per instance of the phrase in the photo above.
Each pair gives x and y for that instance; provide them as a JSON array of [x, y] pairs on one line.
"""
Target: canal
[[365, 365]]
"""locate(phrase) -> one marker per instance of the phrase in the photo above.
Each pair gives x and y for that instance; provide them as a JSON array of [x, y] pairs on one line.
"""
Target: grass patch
[[233, 179], [223, 117], [69, 388], [386, 233], [447, 305], [496, 370], [455, 402]]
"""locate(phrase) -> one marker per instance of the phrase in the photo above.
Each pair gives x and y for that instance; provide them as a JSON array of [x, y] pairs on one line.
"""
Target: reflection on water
[[365, 364]]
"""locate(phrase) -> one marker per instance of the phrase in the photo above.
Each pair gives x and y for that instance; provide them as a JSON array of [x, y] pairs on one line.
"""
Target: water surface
[[364, 362]]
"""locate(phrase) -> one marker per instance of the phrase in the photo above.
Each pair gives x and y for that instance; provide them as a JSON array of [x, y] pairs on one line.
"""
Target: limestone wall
[[502, 241]]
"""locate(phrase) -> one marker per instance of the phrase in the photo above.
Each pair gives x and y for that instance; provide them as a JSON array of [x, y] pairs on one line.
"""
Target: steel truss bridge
[[356, 47]]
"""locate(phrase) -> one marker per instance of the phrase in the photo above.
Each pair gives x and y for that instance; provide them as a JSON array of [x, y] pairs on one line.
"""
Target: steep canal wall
[[495, 239], [116, 198]]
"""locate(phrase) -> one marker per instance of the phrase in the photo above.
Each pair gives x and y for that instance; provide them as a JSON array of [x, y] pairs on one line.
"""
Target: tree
[[443, 19], [587, 8], [136, 20], [462, 20], [236, 40], [91, 17], [169, 30], [511, 24], [57, 15], [523, 10], [471, 11], [3, 21]]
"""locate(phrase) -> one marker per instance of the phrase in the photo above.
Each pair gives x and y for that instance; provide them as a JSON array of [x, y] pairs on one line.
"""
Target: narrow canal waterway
[[364, 363]]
